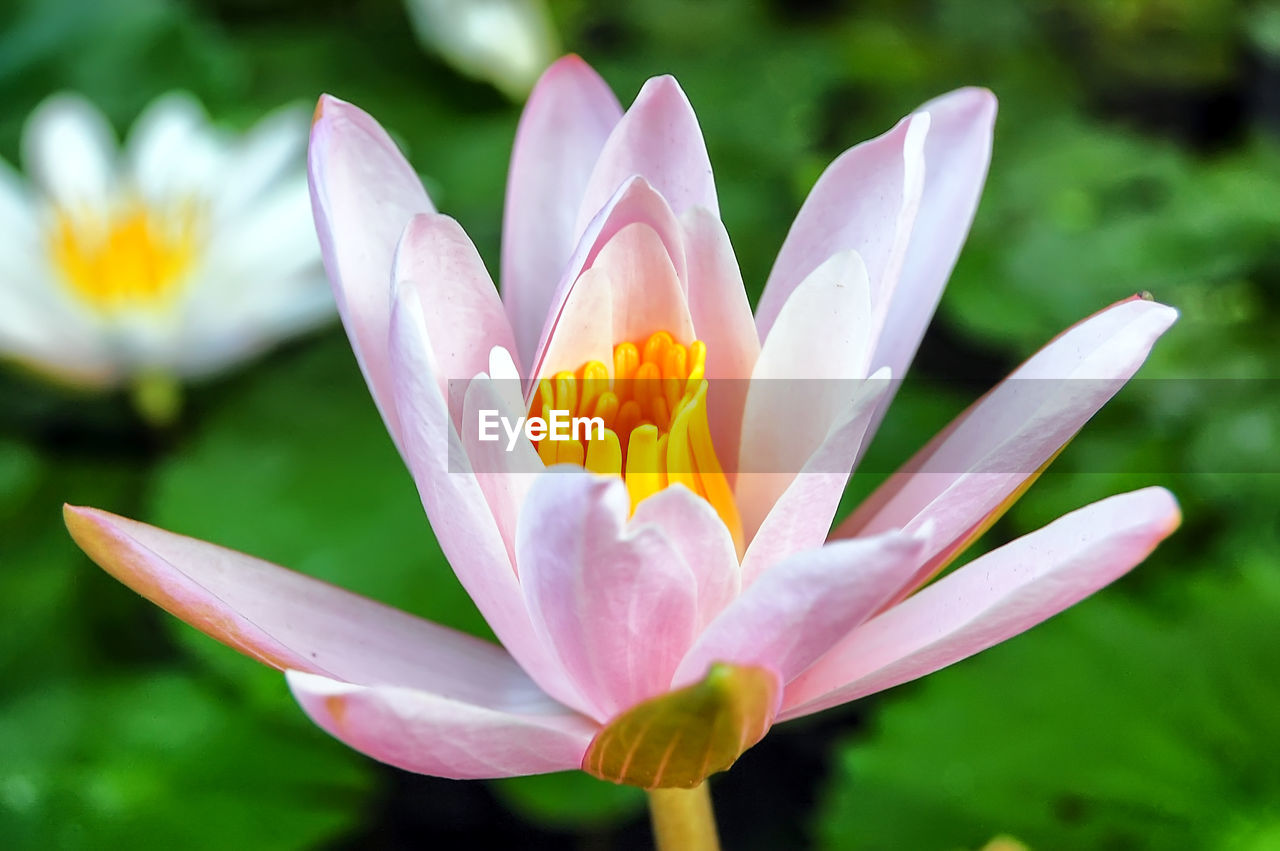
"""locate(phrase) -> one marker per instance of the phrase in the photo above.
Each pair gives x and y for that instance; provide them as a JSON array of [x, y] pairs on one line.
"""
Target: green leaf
[[1107, 728], [160, 760]]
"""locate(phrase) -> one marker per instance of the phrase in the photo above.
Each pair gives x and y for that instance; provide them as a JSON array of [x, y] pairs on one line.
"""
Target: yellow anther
[[647, 385], [133, 256], [568, 452], [595, 380], [645, 473], [629, 416], [605, 456], [697, 356], [710, 474], [655, 348], [545, 401], [626, 358], [566, 392], [661, 413], [547, 451], [654, 410], [680, 464], [607, 408], [675, 362], [673, 390]]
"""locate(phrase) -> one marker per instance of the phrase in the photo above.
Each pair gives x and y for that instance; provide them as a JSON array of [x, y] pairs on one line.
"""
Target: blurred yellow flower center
[[132, 257], [654, 409]]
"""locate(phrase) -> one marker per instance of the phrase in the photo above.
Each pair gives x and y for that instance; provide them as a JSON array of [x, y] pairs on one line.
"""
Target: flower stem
[[683, 819]]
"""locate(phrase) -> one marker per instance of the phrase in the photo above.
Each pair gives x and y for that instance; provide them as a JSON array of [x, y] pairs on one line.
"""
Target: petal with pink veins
[[504, 474], [809, 370], [957, 152], [800, 517], [570, 113], [635, 202], [363, 193], [865, 201], [455, 504], [658, 139], [995, 597], [973, 470], [289, 620], [503, 735], [631, 290], [696, 531], [618, 603], [722, 319], [803, 606]]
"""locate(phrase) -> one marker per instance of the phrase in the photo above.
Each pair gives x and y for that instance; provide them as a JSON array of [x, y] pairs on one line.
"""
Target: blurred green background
[[1137, 148]]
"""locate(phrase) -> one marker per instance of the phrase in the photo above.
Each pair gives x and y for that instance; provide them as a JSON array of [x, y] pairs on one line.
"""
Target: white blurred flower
[[176, 255], [508, 43]]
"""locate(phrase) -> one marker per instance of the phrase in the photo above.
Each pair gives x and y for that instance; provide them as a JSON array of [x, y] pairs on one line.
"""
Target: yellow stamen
[[655, 413], [645, 474], [626, 357], [605, 456], [568, 452], [607, 408], [566, 392], [595, 381], [132, 257]]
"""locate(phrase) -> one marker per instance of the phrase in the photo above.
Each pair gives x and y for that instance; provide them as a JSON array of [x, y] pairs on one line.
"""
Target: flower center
[[654, 410], [132, 256]]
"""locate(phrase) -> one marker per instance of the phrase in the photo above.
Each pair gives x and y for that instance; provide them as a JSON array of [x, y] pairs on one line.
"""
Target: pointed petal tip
[[1162, 504], [569, 63], [978, 102], [85, 525], [325, 102], [662, 86], [569, 71]]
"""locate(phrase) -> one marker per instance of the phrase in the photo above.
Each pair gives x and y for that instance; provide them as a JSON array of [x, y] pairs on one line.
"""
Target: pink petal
[[658, 139], [956, 154], [455, 504], [288, 620], [808, 371], [695, 530], [563, 128], [722, 319], [982, 460], [631, 290], [993, 598], [504, 476], [800, 516], [865, 202], [363, 193], [635, 202], [802, 607], [465, 320], [503, 736], [617, 603]]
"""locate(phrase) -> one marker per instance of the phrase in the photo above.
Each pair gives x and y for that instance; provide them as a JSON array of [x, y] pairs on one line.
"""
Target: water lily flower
[[178, 255], [657, 611], [507, 43]]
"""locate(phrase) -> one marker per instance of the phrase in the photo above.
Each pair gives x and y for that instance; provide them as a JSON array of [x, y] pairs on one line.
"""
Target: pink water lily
[[658, 613]]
